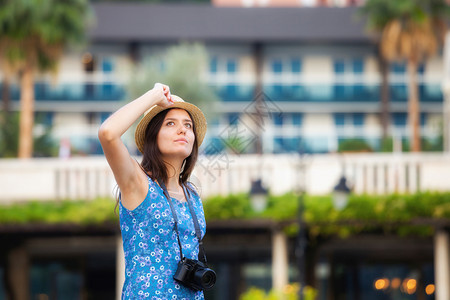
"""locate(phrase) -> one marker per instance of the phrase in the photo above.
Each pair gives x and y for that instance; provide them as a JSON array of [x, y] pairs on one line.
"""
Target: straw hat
[[197, 117]]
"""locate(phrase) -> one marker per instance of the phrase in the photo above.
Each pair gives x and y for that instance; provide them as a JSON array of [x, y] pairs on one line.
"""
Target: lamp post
[[301, 247], [258, 196], [340, 193], [301, 238]]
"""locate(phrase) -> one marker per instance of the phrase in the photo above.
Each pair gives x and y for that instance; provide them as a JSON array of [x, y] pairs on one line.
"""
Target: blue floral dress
[[151, 247]]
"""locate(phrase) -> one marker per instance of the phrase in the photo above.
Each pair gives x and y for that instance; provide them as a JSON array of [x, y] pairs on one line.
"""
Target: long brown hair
[[152, 161]]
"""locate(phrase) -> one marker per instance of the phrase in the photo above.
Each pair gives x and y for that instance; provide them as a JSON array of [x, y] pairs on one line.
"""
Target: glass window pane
[[358, 66], [233, 118], [339, 66], [399, 119], [421, 69], [339, 119], [398, 68], [277, 90], [231, 66], [297, 119], [278, 119], [296, 65], [107, 65], [358, 119], [423, 119], [277, 66], [231, 90], [213, 65]]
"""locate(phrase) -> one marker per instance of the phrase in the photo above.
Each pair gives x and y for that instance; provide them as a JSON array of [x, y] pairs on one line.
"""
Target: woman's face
[[176, 136]]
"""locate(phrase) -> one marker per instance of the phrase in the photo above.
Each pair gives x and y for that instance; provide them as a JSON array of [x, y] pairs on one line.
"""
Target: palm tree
[[33, 35], [411, 31]]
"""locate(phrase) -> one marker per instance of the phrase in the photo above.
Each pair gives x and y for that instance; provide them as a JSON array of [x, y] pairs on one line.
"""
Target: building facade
[[317, 65]]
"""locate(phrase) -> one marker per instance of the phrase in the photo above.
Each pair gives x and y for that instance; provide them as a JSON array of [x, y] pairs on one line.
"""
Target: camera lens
[[206, 278]]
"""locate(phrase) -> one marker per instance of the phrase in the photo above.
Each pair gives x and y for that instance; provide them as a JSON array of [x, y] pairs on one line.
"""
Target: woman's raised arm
[[125, 169]]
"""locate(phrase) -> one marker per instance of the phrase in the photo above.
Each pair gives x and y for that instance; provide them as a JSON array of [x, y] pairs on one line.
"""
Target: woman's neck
[[173, 168], [173, 184]]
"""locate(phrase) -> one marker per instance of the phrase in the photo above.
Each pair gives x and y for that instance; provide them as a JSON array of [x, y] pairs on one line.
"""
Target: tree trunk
[[413, 106], [384, 93], [26, 113]]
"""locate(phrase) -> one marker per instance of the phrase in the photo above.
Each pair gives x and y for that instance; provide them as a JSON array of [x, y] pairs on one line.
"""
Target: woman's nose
[[182, 129]]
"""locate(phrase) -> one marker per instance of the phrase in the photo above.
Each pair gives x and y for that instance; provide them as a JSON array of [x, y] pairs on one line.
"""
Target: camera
[[195, 274]]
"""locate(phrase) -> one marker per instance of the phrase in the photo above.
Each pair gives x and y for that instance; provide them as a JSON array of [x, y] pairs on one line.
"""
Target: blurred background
[[324, 172]]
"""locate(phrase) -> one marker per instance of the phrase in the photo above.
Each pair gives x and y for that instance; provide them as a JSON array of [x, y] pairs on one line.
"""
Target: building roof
[[143, 22]]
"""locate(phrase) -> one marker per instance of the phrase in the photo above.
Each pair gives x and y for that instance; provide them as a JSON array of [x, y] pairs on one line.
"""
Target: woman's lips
[[181, 140]]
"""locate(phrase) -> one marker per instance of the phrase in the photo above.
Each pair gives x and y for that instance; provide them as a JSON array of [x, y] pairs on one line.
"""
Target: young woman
[[168, 136]]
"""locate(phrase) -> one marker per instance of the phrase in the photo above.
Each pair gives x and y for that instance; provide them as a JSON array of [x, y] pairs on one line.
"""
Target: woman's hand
[[162, 93]]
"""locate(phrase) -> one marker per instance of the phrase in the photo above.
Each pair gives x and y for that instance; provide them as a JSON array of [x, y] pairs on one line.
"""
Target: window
[[231, 66], [278, 119], [233, 118], [213, 65], [423, 119], [104, 116], [277, 66], [231, 90], [398, 68], [349, 119], [297, 119], [358, 119], [399, 119], [107, 65], [107, 89], [354, 66], [339, 66], [277, 89], [339, 119], [340, 91], [421, 69], [358, 66], [296, 65], [278, 144]]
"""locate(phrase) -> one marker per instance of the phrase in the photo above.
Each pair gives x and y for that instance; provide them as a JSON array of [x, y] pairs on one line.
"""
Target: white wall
[[90, 177]]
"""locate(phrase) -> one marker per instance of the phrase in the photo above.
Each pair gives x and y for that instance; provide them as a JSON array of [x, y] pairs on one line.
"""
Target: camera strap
[[194, 219], [201, 253]]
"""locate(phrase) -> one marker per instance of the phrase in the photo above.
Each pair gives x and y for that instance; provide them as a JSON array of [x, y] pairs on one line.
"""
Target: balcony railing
[[308, 92], [87, 91], [90, 177], [338, 92]]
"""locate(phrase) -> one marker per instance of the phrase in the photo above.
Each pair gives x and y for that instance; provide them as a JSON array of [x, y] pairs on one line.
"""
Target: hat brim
[[197, 115]]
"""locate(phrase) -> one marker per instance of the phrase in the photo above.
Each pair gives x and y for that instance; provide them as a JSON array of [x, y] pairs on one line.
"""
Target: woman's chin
[[177, 155]]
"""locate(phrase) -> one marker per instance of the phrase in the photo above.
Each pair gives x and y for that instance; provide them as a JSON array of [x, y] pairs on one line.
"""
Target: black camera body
[[195, 274]]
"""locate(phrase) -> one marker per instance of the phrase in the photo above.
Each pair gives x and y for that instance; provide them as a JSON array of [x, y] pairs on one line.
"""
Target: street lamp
[[300, 250], [258, 196], [340, 193]]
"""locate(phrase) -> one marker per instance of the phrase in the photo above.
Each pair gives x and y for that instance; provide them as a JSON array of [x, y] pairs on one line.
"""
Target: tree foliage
[[411, 31], [182, 68], [33, 36], [44, 145], [396, 214]]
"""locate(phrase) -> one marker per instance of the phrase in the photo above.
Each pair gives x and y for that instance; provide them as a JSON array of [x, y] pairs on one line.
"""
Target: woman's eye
[[188, 125], [170, 123]]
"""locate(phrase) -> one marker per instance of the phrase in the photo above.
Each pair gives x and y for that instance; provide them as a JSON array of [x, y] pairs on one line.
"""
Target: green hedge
[[62, 212], [396, 214]]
